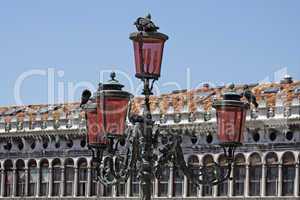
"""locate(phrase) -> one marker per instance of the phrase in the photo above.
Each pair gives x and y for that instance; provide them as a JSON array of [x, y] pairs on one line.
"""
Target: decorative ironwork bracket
[[123, 155]]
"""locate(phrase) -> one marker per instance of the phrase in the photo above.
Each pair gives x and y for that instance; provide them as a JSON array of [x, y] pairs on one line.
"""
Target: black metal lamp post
[[143, 149]]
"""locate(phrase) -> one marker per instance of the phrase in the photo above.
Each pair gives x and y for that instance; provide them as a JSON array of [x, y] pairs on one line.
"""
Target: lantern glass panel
[[95, 134], [231, 122], [148, 57], [114, 115]]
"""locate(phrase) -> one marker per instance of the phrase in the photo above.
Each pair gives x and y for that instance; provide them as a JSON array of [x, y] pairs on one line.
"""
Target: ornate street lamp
[[106, 115], [148, 47], [231, 116], [142, 146]]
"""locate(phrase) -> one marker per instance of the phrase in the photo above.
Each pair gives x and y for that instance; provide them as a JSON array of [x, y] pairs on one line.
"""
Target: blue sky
[[217, 41]]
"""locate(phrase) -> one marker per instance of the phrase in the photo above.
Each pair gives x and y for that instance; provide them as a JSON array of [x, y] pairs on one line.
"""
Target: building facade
[[44, 153]]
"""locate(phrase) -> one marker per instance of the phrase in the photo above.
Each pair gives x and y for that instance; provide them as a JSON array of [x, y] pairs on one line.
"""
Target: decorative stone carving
[[178, 102], [153, 103], [270, 112], [136, 106], [56, 116], [253, 113], [32, 119], [287, 111], [207, 116], [163, 118], [20, 120], [192, 117], [192, 105], [7, 121], [44, 120], [164, 104], [177, 117]]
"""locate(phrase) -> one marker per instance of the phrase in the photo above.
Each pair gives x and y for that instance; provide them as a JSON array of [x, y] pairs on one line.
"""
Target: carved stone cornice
[[39, 133]]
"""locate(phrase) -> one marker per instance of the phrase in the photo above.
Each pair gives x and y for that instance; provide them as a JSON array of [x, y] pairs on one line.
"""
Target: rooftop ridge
[[268, 95]]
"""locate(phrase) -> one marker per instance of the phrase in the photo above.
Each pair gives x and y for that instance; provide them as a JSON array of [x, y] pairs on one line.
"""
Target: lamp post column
[[146, 147]]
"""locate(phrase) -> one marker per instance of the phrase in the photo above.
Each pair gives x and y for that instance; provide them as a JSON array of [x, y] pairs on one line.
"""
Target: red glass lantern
[[148, 53], [231, 116], [106, 115]]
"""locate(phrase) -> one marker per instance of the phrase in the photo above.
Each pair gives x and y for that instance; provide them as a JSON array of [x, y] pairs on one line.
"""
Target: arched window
[[20, 178], [255, 170], [239, 175], [223, 187], [288, 174], [32, 177], [271, 174], [208, 162], [194, 164], [177, 182], [8, 173], [44, 179], [69, 177], [57, 177], [135, 184], [163, 182], [94, 179], [82, 177]]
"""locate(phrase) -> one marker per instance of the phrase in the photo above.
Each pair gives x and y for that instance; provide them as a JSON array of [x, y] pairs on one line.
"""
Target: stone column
[[75, 181], [200, 190], [170, 185], [128, 187], [296, 183], [279, 179], [2, 182], [50, 182], [185, 186], [230, 182], [99, 190], [14, 188], [263, 180], [215, 191], [38, 182], [155, 187], [26, 181], [114, 190], [62, 184], [89, 182], [246, 183]]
